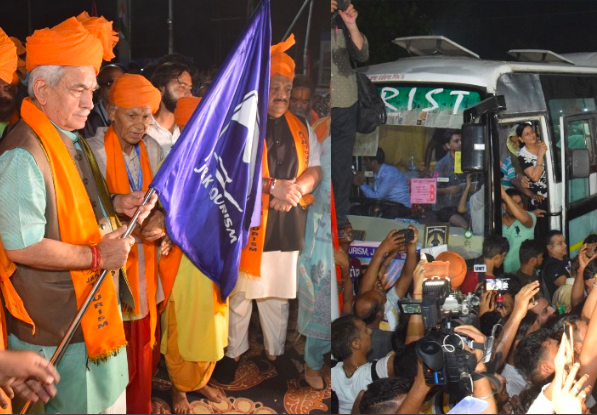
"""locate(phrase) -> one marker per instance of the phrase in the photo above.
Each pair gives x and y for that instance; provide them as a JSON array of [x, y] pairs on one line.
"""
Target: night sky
[[492, 27], [204, 30]]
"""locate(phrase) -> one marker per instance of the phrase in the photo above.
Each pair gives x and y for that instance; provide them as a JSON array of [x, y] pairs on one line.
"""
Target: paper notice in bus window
[[423, 191], [458, 162]]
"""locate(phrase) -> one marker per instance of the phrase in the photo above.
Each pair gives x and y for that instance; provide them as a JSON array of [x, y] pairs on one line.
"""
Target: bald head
[[369, 307]]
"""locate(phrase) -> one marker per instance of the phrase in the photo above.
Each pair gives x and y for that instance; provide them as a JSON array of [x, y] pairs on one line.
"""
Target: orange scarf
[[117, 181], [321, 128], [250, 261], [102, 326], [13, 302]]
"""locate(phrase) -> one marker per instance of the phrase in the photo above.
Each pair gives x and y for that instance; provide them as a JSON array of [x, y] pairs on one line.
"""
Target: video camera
[[440, 303], [445, 360]]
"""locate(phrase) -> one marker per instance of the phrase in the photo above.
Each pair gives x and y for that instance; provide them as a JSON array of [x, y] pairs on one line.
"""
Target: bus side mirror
[[473, 157], [580, 163]]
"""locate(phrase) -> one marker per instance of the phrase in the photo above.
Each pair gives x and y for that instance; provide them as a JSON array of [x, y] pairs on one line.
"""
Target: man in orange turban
[[61, 228], [128, 160], [8, 90], [291, 170]]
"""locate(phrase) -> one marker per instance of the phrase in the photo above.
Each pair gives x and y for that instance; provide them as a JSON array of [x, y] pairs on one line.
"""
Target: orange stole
[[102, 326], [117, 181], [321, 127], [250, 261]]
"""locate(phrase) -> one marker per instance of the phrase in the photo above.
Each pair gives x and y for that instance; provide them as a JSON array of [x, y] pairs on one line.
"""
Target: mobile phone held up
[[343, 4], [498, 284], [409, 234]]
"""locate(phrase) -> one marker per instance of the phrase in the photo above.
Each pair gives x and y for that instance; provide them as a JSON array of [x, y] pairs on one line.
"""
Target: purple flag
[[210, 183]]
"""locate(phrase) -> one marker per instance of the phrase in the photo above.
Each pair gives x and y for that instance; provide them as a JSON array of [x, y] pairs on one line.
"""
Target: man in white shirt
[[351, 341], [173, 79]]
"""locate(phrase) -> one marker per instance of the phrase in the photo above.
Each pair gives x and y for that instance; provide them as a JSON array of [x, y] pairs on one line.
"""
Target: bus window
[[567, 95], [579, 136], [449, 206]]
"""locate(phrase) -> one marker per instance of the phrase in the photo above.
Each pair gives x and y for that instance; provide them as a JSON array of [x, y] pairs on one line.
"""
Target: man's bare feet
[[212, 394], [157, 408], [180, 403], [270, 357]]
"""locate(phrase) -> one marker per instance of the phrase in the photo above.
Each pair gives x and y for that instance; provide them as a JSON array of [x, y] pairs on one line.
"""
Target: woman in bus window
[[532, 161]]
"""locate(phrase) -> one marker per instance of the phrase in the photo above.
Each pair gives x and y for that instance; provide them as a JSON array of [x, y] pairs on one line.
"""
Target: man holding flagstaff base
[[268, 268], [59, 223], [128, 159]]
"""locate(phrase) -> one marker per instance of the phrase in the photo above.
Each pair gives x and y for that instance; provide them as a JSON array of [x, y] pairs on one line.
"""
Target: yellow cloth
[[281, 63], [8, 58], [202, 333], [133, 91], [186, 376]]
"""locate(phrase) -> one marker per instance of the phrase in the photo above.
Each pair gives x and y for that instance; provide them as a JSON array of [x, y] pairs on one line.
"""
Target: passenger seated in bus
[[450, 185], [532, 161], [390, 189]]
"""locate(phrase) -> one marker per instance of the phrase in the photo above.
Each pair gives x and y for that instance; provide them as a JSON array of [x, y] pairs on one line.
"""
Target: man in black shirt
[[556, 268]]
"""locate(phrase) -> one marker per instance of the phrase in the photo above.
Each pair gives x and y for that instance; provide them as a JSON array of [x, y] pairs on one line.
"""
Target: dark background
[[487, 27], [204, 30]]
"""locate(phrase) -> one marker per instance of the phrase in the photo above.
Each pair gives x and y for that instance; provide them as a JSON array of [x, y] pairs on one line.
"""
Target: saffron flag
[[210, 183]]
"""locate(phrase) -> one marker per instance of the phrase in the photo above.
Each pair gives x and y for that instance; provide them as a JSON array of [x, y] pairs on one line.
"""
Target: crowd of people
[[380, 346], [82, 139], [508, 332]]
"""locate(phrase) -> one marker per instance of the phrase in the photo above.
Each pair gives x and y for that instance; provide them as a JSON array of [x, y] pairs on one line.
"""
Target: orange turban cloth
[[133, 91], [67, 44], [281, 63], [21, 70], [8, 58], [184, 109], [102, 29]]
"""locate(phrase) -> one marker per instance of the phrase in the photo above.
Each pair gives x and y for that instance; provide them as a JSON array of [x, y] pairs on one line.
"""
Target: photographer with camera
[[348, 43], [377, 304], [351, 342]]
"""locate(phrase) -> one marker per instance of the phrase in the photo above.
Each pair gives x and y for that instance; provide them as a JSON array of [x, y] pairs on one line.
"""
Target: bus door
[[579, 177]]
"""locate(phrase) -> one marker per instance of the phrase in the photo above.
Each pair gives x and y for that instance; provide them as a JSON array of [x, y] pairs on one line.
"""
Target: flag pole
[[74, 325], [295, 20]]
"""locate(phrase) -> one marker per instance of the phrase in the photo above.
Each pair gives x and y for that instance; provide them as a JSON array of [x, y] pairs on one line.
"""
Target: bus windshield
[[422, 141]]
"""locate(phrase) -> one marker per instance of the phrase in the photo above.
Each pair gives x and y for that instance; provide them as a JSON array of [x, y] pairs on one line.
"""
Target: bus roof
[[454, 70]]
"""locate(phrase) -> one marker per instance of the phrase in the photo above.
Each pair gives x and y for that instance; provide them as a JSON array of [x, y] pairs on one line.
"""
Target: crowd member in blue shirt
[[390, 188]]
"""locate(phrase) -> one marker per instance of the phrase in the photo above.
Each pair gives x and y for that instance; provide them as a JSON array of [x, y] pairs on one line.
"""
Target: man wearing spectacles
[[556, 268], [173, 79], [98, 117]]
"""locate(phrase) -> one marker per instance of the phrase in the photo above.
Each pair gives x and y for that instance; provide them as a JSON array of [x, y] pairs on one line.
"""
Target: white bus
[[433, 91]]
